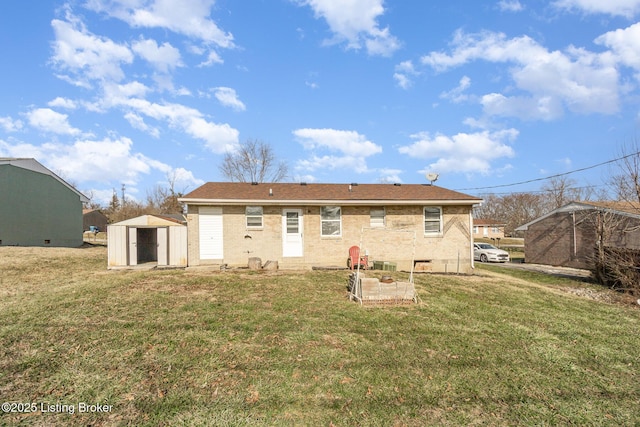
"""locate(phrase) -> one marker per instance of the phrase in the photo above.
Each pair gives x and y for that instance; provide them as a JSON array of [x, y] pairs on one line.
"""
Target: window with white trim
[[330, 221], [432, 220], [377, 218], [253, 215]]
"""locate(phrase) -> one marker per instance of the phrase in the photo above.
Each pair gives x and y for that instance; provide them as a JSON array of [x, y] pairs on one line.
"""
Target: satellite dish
[[432, 177]]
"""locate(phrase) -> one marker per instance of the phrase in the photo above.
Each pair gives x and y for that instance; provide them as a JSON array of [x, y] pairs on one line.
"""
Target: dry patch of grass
[[240, 348]]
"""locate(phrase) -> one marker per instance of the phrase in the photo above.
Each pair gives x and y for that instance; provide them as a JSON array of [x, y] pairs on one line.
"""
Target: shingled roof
[[309, 194]]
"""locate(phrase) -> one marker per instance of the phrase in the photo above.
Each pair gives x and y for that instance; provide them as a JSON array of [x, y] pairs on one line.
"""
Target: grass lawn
[[239, 348]]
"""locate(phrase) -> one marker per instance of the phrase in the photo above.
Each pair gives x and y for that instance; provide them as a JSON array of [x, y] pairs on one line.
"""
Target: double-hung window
[[253, 215], [432, 220], [330, 221], [377, 218]]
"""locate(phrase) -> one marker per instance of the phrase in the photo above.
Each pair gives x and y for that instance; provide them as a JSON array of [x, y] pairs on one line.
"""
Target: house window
[[495, 230], [254, 216], [377, 218], [475, 229], [432, 220], [331, 221]]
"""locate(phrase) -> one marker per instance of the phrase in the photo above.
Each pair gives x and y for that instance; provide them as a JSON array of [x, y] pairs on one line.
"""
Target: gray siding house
[[37, 207]]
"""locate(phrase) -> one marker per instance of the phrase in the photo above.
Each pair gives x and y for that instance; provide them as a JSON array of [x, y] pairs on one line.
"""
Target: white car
[[485, 252]]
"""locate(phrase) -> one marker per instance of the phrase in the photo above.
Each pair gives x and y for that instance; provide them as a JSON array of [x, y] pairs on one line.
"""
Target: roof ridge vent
[[397, 184], [254, 183], [303, 183]]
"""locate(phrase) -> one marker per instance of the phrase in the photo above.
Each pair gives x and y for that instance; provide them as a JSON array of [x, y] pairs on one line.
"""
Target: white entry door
[[292, 233], [210, 224]]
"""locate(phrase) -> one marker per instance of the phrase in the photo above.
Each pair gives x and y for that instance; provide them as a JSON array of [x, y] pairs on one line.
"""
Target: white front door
[[210, 224], [292, 233]]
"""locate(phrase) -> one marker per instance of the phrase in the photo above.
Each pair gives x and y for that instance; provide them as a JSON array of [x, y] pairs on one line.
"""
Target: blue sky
[[106, 92]]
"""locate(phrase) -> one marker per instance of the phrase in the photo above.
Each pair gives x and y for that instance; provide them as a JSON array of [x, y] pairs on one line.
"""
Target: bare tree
[[164, 199], [512, 209], [625, 179], [559, 191], [254, 161]]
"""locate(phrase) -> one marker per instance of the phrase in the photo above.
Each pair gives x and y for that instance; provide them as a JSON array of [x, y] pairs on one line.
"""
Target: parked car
[[484, 252]]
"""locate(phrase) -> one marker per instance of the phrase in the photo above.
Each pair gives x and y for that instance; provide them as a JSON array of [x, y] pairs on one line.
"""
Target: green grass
[[234, 348]]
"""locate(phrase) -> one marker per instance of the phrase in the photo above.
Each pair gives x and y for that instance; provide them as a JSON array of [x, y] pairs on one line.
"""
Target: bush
[[618, 268]]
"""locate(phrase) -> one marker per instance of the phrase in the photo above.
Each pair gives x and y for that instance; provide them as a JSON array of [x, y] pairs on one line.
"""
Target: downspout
[[575, 249], [473, 265]]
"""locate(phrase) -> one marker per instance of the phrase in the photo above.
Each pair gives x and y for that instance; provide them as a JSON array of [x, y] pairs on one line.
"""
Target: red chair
[[355, 258]]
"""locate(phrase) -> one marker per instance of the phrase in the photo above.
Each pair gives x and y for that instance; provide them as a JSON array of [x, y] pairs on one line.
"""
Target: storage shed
[[147, 239]]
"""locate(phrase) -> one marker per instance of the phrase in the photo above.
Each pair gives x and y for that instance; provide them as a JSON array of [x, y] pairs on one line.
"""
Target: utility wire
[[551, 176]]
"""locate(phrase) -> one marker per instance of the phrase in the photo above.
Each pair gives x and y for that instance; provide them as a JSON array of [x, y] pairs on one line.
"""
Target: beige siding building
[[487, 229], [314, 225]]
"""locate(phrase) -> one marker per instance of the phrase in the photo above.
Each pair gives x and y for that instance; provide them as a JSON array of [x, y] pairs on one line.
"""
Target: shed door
[[163, 246], [210, 224], [117, 247], [133, 245], [178, 246], [292, 233]]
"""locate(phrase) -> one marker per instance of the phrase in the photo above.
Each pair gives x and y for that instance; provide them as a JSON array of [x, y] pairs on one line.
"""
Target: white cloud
[[510, 6], [187, 17], [352, 147], [60, 102], [137, 122], [10, 125], [345, 141], [102, 161], [624, 45], [527, 108], [48, 120], [576, 79], [85, 55], [163, 58], [390, 176], [457, 94], [351, 163], [463, 152], [212, 58], [355, 21], [626, 8], [229, 98], [184, 178], [404, 72], [219, 138], [304, 178]]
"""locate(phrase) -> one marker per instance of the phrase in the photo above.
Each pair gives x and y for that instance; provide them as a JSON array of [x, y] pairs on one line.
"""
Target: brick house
[[487, 229], [308, 225], [569, 235]]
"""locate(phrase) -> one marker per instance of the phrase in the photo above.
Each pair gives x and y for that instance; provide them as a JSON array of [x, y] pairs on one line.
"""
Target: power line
[[586, 187], [551, 176]]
